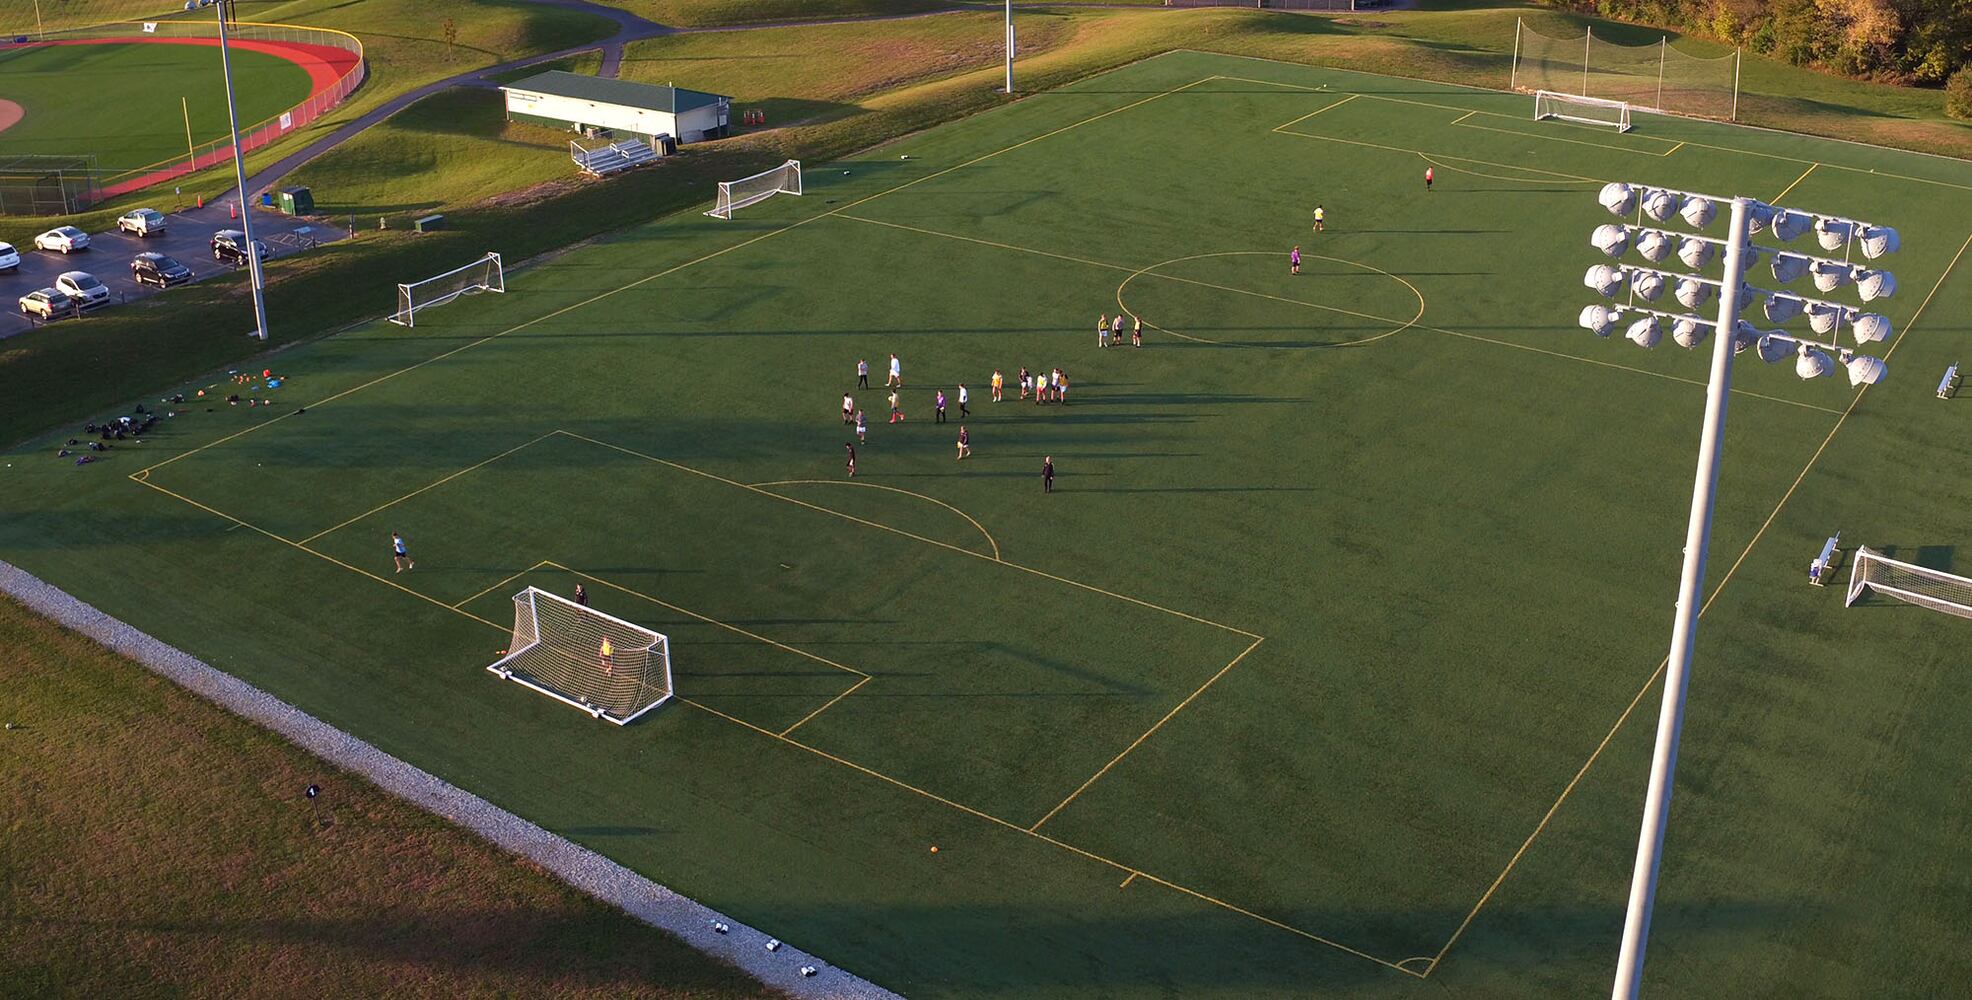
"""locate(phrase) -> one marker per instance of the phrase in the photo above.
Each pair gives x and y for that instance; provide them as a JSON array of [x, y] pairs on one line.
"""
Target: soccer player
[[896, 413], [1047, 475], [851, 449], [1136, 333], [607, 654], [581, 596], [1293, 267], [1061, 389], [1116, 330], [1026, 381], [1102, 330], [965, 443], [862, 373], [964, 398], [862, 428], [848, 407], [940, 418], [896, 373], [400, 553], [1321, 219], [999, 386], [1427, 178]]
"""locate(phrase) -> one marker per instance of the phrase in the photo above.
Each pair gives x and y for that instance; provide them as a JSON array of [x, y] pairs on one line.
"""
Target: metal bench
[[1948, 386], [1820, 570]]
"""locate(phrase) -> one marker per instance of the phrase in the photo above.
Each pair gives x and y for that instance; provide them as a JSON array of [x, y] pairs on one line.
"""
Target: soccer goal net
[[1582, 110], [735, 195], [1651, 76], [1930, 588], [578, 656], [482, 275]]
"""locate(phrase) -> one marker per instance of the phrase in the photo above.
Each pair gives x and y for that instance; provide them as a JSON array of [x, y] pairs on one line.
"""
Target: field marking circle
[[879, 486], [1152, 271], [11, 114]]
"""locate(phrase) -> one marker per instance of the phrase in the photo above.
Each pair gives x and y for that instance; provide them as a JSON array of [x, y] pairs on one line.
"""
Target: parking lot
[[187, 238]]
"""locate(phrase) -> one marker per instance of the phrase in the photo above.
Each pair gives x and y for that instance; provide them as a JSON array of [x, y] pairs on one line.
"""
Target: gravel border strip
[[580, 867]]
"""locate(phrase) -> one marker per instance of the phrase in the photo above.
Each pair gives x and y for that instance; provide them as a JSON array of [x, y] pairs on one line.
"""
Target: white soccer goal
[[578, 656], [1929, 588], [482, 275], [1651, 76], [735, 195], [1582, 110]]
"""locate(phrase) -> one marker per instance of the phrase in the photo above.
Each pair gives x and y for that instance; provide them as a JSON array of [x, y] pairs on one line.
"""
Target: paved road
[[188, 238]]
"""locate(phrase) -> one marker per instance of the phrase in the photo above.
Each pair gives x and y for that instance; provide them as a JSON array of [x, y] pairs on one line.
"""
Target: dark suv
[[158, 269], [229, 246]]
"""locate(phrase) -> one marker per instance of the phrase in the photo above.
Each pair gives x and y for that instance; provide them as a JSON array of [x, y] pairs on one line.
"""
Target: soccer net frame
[[1909, 582], [581, 657], [735, 195], [487, 274], [1652, 76], [1582, 110]]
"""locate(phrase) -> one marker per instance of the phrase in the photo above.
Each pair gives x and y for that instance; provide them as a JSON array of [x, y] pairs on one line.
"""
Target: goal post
[[1582, 110], [735, 195], [581, 657], [1909, 582], [483, 275]]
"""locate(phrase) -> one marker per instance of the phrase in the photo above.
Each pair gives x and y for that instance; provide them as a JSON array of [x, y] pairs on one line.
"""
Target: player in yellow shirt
[[999, 385]]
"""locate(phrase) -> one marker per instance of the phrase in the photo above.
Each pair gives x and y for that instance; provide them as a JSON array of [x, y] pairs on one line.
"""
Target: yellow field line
[[598, 297], [1797, 181], [827, 705], [134, 477], [460, 604], [1311, 114], [429, 486], [1716, 590], [1063, 845], [1159, 724], [877, 486], [911, 535], [1132, 877], [708, 620], [1675, 148], [1455, 121]]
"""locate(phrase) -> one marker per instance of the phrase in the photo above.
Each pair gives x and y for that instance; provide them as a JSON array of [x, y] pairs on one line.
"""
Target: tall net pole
[[1513, 76], [1009, 48], [239, 172], [1663, 54], [1588, 43]]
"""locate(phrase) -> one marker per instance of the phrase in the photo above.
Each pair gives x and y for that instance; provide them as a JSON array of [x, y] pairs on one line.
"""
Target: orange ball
[[934, 848]]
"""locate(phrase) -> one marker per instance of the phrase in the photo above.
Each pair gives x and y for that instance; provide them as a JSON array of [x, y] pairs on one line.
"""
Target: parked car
[[47, 303], [142, 222], [158, 269], [10, 258], [228, 245], [67, 239], [83, 287]]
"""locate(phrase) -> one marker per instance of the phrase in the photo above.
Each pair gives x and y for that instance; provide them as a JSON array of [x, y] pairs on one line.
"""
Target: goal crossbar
[[735, 195], [596, 662], [1909, 582], [487, 274], [1581, 110]]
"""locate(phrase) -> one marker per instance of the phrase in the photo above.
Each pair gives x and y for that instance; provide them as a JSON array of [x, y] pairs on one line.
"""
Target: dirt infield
[[325, 63], [10, 114]]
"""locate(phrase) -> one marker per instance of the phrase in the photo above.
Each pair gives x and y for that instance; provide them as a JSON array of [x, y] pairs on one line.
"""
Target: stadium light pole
[[1732, 335], [1009, 48], [239, 172]]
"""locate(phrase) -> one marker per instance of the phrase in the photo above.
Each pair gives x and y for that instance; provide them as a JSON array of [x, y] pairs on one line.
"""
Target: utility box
[[429, 223], [297, 201]]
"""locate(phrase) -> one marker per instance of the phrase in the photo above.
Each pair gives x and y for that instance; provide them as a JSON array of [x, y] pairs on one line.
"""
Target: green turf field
[[1320, 672], [121, 103]]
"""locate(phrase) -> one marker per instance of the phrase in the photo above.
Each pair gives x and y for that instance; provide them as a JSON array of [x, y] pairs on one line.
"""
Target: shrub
[[1958, 94]]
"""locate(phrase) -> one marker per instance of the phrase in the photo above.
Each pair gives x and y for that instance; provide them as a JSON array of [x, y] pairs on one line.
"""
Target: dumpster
[[297, 201]]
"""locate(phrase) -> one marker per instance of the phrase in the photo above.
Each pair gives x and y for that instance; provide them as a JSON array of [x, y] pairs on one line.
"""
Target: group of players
[[1046, 387]]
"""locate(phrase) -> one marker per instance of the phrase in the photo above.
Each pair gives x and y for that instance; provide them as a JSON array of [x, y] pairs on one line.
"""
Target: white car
[[67, 239], [83, 288], [142, 222], [10, 258]]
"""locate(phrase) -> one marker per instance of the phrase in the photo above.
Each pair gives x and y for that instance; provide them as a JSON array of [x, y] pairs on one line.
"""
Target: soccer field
[[1330, 666]]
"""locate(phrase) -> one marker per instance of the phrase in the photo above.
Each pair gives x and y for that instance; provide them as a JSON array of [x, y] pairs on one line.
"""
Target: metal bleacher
[[613, 158]]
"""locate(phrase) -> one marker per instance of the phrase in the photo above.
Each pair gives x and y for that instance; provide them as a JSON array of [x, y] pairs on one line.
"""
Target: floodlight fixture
[[1879, 240], [1654, 245], [1744, 336], [1874, 284], [1831, 274], [1648, 285], [1824, 317], [1833, 234], [1810, 362], [1693, 293], [1611, 239], [1699, 211], [1759, 215], [1690, 331], [1646, 332], [1606, 279], [1780, 307], [1789, 267], [1618, 198], [1660, 204], [1599, 320], [1869, 328], [1775, 347], [1788, 225], [1696, 252], [1865, 370]]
